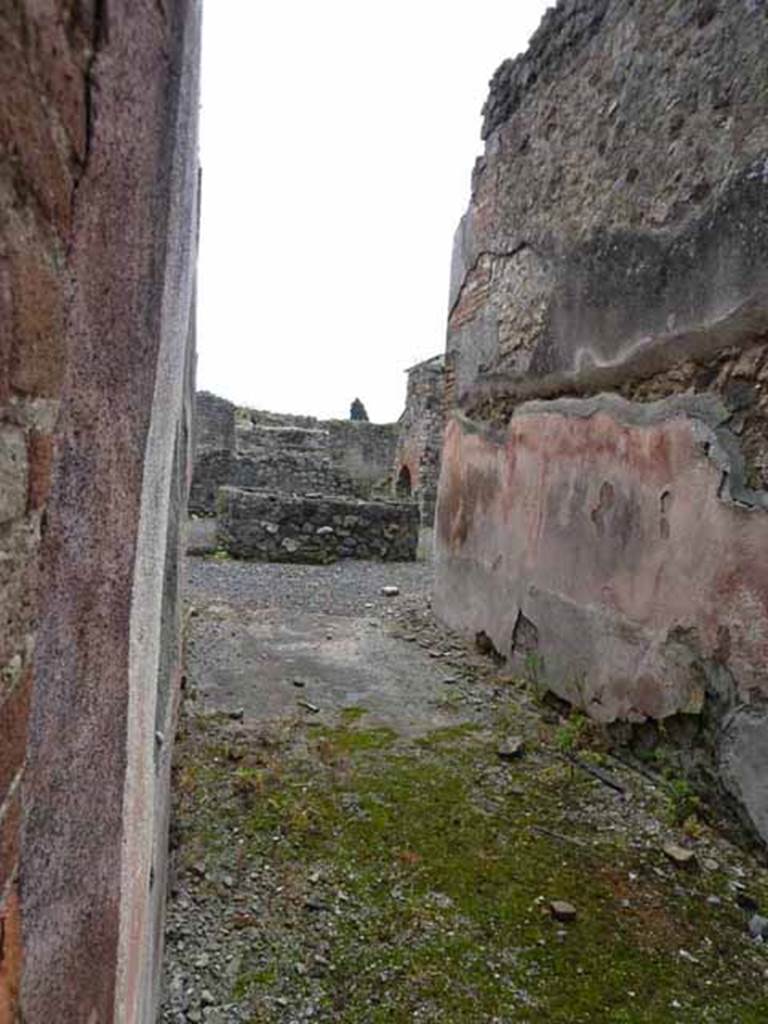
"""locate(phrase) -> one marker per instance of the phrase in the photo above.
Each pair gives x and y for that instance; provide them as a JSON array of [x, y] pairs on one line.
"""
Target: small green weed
[[570, 735]]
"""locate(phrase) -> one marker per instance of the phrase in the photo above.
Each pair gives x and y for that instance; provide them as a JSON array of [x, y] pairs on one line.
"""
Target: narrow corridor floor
[[374, 823]]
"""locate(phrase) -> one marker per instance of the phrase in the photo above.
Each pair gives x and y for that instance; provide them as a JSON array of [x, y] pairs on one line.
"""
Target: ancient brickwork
[[420, 436], [603, 495], [283, 528], [98, 174]]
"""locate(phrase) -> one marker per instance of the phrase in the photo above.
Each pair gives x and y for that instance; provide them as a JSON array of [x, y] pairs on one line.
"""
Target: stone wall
[[282, 528], [420, 436], [214, 423], [364, 450], [98, 191], [291, 454], [603, 496]]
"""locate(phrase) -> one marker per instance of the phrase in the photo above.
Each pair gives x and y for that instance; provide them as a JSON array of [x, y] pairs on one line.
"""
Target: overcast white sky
[[337, 142]]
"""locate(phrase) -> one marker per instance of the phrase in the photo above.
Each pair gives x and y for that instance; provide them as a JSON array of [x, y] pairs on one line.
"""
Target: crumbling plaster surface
[[604, 525], [622, 538], [602, 504]]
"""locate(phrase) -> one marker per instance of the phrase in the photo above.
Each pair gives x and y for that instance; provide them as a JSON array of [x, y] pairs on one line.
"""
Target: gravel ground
[[341, 589], [374, 824]]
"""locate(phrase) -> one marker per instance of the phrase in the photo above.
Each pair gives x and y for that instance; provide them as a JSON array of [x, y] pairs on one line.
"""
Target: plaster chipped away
[[709, 418]]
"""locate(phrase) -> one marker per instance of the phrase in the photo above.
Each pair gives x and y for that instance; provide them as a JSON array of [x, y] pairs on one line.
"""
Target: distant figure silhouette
[[357, 411]]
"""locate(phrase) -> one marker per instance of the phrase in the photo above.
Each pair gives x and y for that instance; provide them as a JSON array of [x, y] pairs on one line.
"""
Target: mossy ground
[[399, 882]]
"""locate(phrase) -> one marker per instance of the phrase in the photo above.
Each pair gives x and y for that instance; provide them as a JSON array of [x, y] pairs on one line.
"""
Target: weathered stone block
[[13, 473]]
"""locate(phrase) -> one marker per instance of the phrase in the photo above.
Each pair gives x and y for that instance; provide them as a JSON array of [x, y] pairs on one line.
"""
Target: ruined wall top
[[619, 204], [558, 41]]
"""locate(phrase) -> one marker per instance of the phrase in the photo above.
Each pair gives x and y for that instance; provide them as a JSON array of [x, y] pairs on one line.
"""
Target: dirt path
[[372, 821]]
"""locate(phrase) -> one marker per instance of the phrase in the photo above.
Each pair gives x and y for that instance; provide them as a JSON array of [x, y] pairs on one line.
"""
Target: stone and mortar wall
[[603, 502], [291, 454], [420, 435], [214, 426], [98, 180], [281, 528]]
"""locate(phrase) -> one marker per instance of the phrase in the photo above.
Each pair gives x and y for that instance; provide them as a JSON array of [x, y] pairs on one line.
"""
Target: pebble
[[747, 902], [312, 903], [758, 927], [680, 855], [510, 748], [390, 591], [563, 911], [236, 714]]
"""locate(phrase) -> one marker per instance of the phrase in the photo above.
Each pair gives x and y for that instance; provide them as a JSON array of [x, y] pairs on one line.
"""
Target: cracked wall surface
[[98, 213], [602, 504]]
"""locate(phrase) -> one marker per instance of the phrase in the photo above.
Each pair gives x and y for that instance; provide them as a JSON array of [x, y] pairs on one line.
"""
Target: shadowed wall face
[[417, 456], [98, 191], [603, 501]]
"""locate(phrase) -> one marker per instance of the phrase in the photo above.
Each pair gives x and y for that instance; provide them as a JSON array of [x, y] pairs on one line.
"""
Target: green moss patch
[[424, 872]]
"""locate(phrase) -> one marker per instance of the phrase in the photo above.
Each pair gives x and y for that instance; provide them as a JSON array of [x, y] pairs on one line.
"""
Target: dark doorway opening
[[404, 487]]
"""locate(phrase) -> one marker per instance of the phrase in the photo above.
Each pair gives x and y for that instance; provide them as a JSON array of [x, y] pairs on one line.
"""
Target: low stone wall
[[288, 473], [289, 454], [283, 528]]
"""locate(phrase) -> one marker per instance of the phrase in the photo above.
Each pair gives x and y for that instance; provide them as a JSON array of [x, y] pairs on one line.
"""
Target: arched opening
[[404, 486]]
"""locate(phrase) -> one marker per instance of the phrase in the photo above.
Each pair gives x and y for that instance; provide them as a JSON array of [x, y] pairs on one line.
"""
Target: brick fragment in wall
[[40, 460], [10, 819], [30, 128], [14, 715], [10, 954], [37, 309]]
